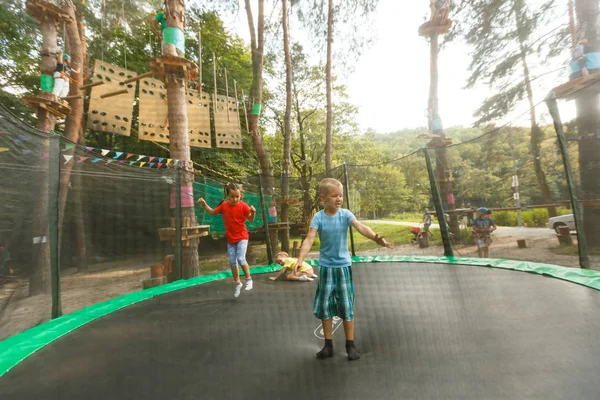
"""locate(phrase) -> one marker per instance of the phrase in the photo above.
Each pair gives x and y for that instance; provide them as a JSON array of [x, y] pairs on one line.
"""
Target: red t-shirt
[[234, 218]]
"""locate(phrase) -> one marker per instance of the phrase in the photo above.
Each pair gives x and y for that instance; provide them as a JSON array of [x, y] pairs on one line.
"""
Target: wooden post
[[89, 85], [115, 93], [138, 77]]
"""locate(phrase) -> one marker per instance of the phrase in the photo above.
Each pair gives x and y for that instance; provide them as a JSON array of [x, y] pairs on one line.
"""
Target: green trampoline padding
[[16, 348]]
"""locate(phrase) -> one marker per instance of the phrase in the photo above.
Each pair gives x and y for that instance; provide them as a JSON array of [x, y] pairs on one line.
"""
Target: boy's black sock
[[327, 350], [351, 350]]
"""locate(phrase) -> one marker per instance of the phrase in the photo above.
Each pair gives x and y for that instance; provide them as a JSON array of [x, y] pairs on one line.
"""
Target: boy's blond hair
[[282, 253], [327, 184]]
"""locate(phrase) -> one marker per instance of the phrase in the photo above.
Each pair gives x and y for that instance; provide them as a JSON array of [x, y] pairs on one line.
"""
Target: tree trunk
[[305, 170], [40, 281], [537, 135], [287, 131], [328, 84], [441, 169], [179, 143], [257, 41], [74, 122], [588, 123]]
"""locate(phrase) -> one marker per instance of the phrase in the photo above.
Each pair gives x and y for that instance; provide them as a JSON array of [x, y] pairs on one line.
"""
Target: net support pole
[[439, 210], [53, 210], [347, 184], [178, 230], [265, 222], [584, 261]]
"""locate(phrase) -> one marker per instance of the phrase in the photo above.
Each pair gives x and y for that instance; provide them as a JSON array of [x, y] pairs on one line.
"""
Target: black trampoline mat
[[424, 331]]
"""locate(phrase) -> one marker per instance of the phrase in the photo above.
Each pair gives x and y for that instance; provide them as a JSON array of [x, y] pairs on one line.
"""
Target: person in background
[[305, 272], [62, 75], [483, 226]]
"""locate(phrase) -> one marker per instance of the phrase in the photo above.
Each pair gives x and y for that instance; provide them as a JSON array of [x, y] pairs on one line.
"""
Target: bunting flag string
[[117, 156]]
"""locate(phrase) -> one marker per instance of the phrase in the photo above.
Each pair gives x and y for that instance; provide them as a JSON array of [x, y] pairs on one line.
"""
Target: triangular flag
[[104, 152], [151, 158], [140, 157], [119, 154], [2, 133], [90, 148], [3, 149], [121, 161], [129, 155], [160, 160], [159, 165], [151, 165], [132, 162], [68, 146], [45, 155], [95, 160], [108, 162], [169, 161], [67, 158], [82, 159], [26, 151], [143, 163]]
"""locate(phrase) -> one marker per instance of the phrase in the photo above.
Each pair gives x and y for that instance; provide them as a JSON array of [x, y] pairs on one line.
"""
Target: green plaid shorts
[[335, 294]]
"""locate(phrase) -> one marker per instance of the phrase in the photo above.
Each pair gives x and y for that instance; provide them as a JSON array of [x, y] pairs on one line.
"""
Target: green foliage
[[536, 217]]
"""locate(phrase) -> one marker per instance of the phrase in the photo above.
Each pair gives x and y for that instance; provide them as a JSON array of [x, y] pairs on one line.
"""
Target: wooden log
[[71, 97], [115, 93], [137, 78], [89, 85], [153, 282]]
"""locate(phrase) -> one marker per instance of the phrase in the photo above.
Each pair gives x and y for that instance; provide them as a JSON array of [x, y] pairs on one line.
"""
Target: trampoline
[[428, 330]]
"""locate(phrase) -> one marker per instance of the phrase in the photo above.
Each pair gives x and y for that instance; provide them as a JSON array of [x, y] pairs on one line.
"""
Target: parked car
[[563, 220]]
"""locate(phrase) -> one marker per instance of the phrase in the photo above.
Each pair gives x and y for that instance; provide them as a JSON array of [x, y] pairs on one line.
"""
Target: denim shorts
[[237, 253]]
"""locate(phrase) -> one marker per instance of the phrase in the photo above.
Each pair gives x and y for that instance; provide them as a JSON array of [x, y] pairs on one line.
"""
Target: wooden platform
[[438, 23], [439, 142], [192, 232], [44, 9], [59, 108], [577, 87], [164, 65]]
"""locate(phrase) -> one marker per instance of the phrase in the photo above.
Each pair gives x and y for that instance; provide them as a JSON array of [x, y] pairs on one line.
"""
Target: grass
[[565, 250]]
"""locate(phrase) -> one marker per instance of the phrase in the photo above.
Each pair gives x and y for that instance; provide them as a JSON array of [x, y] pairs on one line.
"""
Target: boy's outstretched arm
[[305, 248], [206, 207], [370, 234]]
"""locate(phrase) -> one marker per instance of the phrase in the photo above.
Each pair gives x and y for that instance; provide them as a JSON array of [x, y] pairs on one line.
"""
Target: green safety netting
[[212, 192]]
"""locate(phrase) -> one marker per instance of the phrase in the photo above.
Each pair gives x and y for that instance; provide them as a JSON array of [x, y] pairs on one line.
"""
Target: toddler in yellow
[[305, 272]]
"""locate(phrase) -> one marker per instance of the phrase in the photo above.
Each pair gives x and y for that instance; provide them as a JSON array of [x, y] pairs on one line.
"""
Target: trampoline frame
[[17, 348]]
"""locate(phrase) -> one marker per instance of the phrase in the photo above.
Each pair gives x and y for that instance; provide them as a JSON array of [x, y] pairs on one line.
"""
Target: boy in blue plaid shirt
[[335, 290]]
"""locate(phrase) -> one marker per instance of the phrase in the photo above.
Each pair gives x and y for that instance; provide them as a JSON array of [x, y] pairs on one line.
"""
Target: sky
[[390, 81]]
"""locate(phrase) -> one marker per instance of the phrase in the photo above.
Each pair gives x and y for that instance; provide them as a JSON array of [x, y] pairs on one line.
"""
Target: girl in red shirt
[[235, 212]]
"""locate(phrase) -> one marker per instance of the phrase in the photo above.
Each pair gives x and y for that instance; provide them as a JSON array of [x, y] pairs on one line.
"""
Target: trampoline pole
[[53, 218], [178, 250], [584, 261], [439, 210], [265, 222], [348, 206]]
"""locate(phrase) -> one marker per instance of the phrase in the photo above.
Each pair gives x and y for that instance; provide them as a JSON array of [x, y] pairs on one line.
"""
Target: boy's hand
[[380, 240], [252, 210], [201, 201], [272, 278]]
